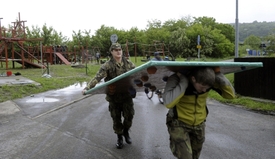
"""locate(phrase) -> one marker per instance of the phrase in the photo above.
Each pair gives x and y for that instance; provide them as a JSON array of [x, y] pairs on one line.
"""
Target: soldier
[[185, 95], [97, 55], [120, 102]]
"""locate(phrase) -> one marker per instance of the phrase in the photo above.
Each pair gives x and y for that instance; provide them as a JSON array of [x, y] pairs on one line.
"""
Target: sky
[[68, 16]]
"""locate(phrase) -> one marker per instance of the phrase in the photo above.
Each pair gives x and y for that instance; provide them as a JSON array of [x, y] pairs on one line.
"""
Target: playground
[[19, 50], [15, 47]]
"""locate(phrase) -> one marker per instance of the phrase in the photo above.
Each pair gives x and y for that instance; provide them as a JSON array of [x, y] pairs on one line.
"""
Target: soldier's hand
[[84, 92]]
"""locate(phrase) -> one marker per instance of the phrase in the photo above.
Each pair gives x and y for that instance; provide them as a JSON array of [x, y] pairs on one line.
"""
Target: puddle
[[39, 100], [74, 86], [77, 86], [74, 89]]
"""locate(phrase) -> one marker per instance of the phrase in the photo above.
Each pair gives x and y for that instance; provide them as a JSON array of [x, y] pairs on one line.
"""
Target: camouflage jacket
[[110, 70]]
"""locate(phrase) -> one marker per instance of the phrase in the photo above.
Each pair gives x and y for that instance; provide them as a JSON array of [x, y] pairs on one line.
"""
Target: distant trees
[[253, 41], [259, 29], [270, 42], [48, 35], [180, 36]]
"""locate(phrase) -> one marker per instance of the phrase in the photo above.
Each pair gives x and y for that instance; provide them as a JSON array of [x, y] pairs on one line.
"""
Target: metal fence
[[259, 82]]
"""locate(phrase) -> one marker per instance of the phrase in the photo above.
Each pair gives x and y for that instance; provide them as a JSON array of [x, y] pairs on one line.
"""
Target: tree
[[222, 46], [154, 24], [227, 30], [243, 50], [206, 21], [180, 43], [271, 43], [253, 41], [217, 39], [46, 35], [206, 40], [102, 38], [34, 33], [173, 25], [155, 32], [136, 37]]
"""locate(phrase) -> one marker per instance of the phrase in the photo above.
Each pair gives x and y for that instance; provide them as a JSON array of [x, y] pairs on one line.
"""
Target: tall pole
[[237, 32]]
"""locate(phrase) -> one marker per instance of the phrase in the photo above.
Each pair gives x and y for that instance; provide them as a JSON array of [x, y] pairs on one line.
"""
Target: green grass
[[61, 76], [65, 75], [249, 103]]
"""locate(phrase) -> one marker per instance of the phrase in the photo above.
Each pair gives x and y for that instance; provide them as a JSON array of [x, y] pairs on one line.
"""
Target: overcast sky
[[66, 16]]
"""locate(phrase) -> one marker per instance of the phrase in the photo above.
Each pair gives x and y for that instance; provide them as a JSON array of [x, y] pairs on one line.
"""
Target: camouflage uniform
[[185, 141], [120, 100]]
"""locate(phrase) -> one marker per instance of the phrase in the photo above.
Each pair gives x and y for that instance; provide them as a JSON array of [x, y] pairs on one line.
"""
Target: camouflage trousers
[[118, 110], [185, 141]]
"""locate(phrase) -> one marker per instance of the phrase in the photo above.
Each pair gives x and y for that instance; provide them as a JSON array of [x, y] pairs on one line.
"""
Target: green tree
[[155, 32], [222, 46], [78, 40], [206, 40], [46, 34], [102, 38], [173, 25], [136, 42], [253, 41], [217, 39], [206, 21], [180, 43], [35, 34], [227, 30], [271, 43], [243, 50]]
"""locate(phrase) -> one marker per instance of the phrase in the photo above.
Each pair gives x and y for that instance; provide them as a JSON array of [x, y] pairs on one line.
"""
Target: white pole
[[237, 32]]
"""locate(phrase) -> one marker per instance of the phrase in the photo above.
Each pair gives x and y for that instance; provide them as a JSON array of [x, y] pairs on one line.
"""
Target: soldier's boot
[[119, 143], [127, 136]]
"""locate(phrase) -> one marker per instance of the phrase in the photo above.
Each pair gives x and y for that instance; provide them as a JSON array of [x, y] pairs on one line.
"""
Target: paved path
[[65, 124]]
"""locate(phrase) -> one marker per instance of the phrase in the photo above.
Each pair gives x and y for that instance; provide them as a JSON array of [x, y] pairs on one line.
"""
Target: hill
[[260, 29]]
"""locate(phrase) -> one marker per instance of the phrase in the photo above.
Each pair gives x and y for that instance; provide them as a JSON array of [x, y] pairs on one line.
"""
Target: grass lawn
[[65, 75]]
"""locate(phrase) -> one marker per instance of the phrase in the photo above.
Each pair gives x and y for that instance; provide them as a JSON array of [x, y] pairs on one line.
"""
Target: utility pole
[[237, 32]]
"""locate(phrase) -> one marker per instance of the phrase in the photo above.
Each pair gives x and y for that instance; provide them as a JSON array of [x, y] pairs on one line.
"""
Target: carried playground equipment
[[151, 77]]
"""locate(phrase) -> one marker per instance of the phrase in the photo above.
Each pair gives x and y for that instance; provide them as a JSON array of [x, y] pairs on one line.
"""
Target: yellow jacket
[[186, 104]]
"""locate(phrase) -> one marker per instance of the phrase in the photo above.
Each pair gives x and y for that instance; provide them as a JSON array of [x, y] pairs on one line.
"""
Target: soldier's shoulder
[[107, 64]]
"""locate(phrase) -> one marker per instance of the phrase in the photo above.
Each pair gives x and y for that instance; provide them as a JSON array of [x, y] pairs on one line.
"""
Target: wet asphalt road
[[65, 124]]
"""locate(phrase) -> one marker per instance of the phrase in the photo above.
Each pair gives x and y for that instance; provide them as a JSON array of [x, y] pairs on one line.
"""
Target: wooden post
[[135, 50]]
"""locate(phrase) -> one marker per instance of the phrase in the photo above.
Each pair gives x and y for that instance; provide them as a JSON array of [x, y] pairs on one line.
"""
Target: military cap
[[115, 46]]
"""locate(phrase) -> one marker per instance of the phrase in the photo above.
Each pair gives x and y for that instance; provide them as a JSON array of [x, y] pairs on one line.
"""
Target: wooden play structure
[[12, 47], [15, 47]]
